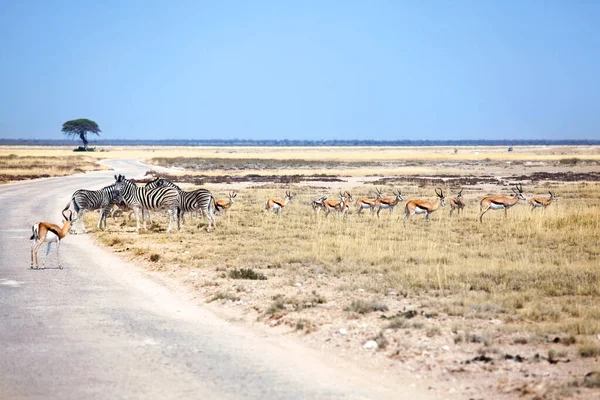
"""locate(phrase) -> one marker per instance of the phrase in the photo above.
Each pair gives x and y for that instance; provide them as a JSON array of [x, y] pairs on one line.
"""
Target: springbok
[[501, 202], [457, 203], [317, 204], [388, 202], [223, 205], [424, 207], [277, 204], [341, 206], [366, 202], [542, 201], [46, 232]]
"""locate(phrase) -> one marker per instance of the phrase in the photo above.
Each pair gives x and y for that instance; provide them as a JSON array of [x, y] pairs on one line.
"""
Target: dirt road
[[102, 329]]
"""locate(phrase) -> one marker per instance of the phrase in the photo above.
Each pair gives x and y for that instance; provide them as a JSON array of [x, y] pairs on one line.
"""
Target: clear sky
[[302, 70]]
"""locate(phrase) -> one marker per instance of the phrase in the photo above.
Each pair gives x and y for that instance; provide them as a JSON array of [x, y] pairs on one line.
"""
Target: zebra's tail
[[75, 205], [212, 206], [35, 235]]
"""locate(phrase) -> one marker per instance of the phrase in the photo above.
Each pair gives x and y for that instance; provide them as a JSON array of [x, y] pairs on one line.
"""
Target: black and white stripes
[[197, 200], [145, 198], [84, 200]]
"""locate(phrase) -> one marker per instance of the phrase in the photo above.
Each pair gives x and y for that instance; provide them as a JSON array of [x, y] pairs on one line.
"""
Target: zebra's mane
[[168, 183]]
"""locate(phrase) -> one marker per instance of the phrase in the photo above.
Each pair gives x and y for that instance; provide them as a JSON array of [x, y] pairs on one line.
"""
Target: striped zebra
[[120, 208], [143, 198], [84, 200], [200, 200]]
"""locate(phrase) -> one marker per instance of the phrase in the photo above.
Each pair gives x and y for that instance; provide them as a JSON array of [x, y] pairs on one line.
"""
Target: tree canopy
[[81, 127]]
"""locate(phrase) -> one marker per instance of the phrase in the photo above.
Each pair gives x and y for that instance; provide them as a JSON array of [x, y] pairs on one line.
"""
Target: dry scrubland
[[510, 305]]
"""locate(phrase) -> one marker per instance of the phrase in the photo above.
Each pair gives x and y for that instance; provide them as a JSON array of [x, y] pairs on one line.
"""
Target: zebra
[[200, 200], [140, 198], [84, 200], [121, 207]]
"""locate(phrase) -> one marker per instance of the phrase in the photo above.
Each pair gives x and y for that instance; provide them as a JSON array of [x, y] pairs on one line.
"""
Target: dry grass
[[15, 167], [536, 270]]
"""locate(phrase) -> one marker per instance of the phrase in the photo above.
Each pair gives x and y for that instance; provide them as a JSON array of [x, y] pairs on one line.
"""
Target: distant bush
[[84, 149], [569, 161], [154, 257]]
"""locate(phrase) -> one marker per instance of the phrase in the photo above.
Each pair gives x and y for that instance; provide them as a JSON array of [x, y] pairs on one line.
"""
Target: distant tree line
[[304, 143]]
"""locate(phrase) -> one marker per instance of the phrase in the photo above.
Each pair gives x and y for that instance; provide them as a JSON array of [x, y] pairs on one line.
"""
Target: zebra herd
[[159, 194]]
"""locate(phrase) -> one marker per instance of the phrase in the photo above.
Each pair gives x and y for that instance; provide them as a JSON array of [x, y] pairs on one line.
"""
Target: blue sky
[[302, 70]]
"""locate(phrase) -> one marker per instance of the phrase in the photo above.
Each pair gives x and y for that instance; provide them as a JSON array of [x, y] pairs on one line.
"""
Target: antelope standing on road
[[341, 206], [424, 207], [276, 205], [388, 202], [223, 205], [46, 232], [457, 203], [365, 202], [542, 201], [501, 202]]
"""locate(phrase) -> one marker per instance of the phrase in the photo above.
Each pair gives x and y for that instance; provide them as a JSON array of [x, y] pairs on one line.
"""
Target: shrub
[[247, 273], [569, 161], [155, 257], [589, 349], [365, 307]]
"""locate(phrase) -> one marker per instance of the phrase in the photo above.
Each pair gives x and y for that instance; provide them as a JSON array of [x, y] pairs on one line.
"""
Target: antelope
[[46, 232], [457, 203], [388, 202], [424, 207], [317, 204], [542, 202], [224, 205], [341, 206], [501, 202], [277, 204], [365, 202]]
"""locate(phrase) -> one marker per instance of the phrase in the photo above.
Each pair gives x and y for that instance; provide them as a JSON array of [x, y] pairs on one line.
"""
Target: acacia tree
[[81, 127]]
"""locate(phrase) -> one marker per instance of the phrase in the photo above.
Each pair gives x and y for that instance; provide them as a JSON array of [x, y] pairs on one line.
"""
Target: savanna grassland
[[502, 309], [510, 305]]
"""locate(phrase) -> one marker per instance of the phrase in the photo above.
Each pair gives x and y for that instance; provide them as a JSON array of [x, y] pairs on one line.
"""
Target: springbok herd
[[161, 194]]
